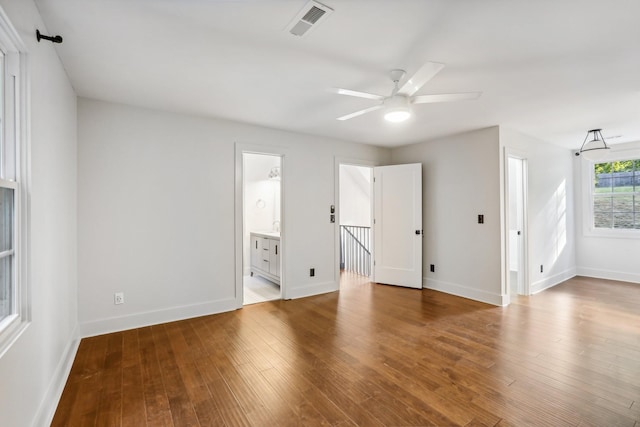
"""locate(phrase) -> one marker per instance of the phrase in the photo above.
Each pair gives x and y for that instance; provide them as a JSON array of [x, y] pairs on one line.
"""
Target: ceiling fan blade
[[361, 112], [445, 97], [423, 75], [357, 94]]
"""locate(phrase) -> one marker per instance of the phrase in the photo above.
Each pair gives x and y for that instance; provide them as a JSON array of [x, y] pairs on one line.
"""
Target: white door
[[516, 174], [398, 225]]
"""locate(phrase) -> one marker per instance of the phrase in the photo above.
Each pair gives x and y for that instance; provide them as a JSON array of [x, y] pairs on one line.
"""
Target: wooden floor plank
[[155, 395], [69, 400], [180, 406], [109, 412], [373, 355]]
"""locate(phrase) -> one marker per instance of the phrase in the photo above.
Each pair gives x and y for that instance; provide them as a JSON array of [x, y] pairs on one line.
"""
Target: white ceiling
[[549, 68]]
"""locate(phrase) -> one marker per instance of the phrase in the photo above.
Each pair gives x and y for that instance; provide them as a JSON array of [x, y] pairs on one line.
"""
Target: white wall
[[355, 195], [604, 257], [156, 212], [34, 369], [461, 179], [463, 176], [550, 208], [261, 198]]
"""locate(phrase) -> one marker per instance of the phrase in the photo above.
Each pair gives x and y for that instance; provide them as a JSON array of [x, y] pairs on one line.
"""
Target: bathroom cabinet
[[265, 255]]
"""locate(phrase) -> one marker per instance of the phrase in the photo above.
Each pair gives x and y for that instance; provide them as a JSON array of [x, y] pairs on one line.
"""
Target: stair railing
[[355, 249]]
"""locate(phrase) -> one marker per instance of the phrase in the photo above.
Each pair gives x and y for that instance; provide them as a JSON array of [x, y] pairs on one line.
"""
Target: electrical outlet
[[432, 267], [118, 298], [312, 272]]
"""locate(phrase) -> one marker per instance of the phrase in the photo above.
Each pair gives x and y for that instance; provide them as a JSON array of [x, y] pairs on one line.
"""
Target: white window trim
[[13, 326], [587, 197]]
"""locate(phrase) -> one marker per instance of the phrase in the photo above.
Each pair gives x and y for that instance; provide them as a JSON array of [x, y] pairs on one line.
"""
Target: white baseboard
[[138, 320], [609, 274], [49, 404], [551, 281], [465, 292], [311, 290]]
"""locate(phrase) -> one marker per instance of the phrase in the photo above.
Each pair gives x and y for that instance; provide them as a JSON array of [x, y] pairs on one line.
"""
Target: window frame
[[588, 179], [16, 174]]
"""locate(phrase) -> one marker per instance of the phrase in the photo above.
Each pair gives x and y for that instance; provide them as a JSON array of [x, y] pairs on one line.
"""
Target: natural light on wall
[[557, 217], [561, 218]]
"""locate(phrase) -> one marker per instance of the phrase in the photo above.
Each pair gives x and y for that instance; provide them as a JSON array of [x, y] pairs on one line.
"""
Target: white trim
[[11, 328], [8, 31], [608, 233], [49, 404], [608, 274], [154, 317], [314, 289], [5, 183], [465, 292], [239, 150], [551, 281]]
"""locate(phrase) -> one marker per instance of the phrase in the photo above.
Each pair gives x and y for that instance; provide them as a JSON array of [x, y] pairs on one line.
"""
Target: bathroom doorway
[[262, 249]]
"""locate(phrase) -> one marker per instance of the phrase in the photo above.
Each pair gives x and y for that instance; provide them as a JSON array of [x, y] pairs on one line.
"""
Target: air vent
[[313, 15], [308, 18]]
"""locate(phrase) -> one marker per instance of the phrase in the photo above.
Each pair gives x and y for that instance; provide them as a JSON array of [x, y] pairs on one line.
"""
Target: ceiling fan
[[398, 104]]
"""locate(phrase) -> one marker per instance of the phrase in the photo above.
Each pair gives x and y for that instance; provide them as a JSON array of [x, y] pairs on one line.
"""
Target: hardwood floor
[[373, 355]]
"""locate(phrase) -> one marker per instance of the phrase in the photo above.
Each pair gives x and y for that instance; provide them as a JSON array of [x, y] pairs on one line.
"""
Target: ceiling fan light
[[397, 109], [397, 115]]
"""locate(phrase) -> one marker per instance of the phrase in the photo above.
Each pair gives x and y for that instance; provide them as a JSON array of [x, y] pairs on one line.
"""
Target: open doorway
[[517, 283], [355, 217], [262, 250]]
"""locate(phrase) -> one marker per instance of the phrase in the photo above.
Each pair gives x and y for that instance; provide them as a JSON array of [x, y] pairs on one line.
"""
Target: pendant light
[[594, 146]]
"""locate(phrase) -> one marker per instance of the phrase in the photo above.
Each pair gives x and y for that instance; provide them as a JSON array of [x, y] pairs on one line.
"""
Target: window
[[616, 195], [7, 251], [14, 301]]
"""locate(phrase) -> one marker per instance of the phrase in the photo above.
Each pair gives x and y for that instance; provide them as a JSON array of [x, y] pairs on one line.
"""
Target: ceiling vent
[[308, 18]]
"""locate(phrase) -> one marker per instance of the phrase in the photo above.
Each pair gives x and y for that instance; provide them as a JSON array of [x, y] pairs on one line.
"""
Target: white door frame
[[351, 162], [240, 149], [520, 155]]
